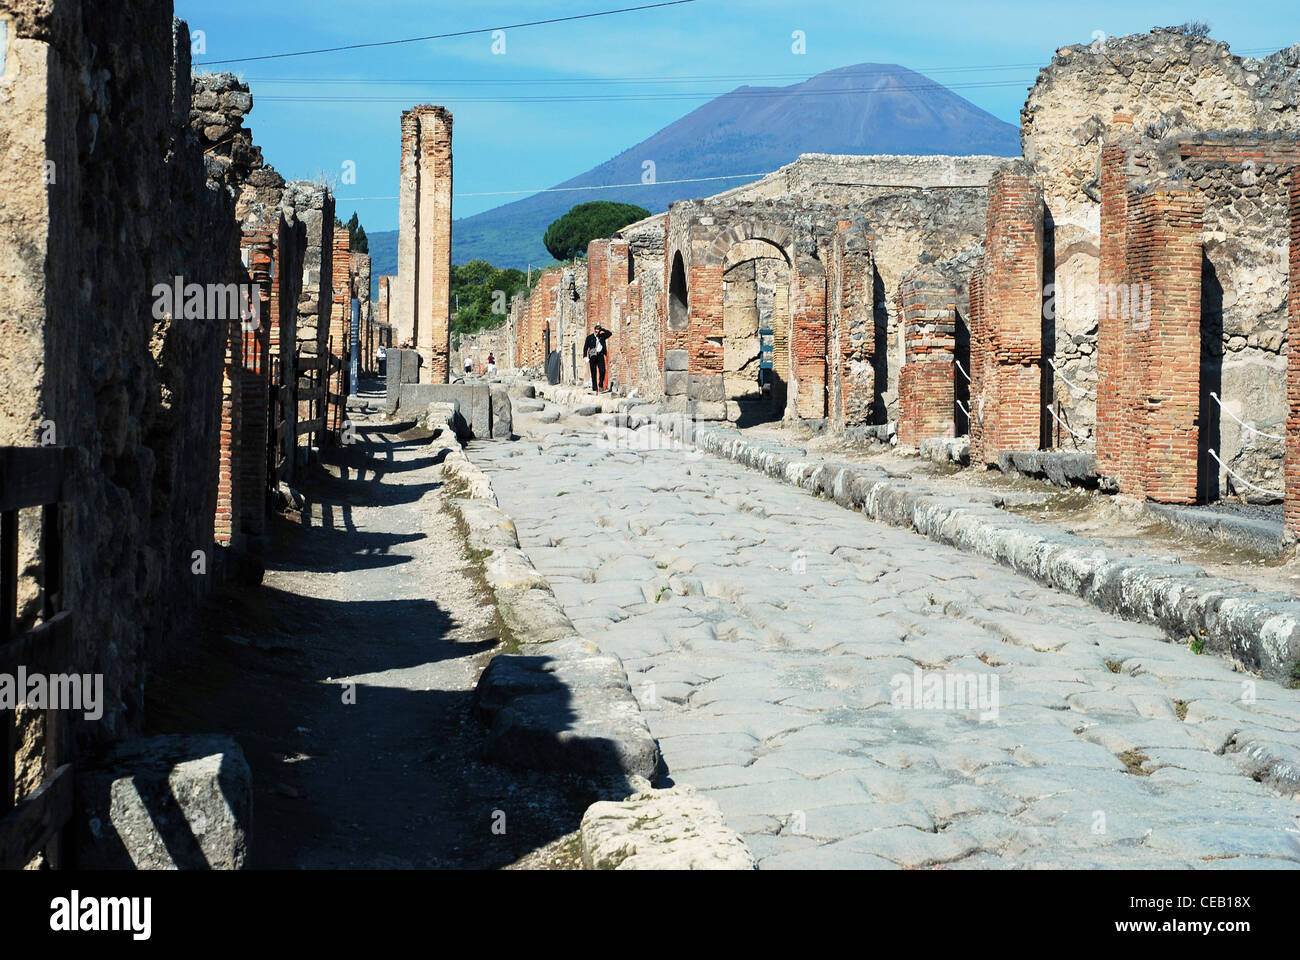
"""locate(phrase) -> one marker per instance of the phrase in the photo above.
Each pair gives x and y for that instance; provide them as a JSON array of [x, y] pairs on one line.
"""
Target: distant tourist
[[492, 365], [593, 348], [469, 364], [381, 355]]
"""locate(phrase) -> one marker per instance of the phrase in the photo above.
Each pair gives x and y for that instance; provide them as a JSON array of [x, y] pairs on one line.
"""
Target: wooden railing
[[328, 407], [35, 477]]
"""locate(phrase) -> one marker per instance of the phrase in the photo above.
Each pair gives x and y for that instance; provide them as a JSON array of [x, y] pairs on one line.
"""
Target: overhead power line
[[702, 95], [442, 36], [577, 81], [603, 186]]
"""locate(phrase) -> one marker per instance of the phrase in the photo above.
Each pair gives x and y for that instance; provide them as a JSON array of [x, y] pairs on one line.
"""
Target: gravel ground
[[347, 680]]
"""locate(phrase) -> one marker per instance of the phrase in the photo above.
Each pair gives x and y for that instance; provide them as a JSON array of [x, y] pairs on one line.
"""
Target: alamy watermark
[[670, 432], [1130, 302], [944, 690], [179, 300], [83, 692]]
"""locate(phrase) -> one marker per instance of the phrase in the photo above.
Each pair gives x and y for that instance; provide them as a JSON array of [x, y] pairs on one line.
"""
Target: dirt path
[[347, 679]]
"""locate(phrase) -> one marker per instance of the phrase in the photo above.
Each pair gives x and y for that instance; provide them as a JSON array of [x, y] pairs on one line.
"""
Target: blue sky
[[988, 52]]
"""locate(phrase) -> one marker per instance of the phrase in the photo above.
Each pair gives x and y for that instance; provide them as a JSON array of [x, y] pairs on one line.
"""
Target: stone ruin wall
[[914, 227], [1172, 85], [1242, 183], [137, 398], [477, 346]]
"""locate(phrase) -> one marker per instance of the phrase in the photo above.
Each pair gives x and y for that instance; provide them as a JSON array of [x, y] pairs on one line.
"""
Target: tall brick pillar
[[1112, 273], [625, 345], [925, 384], [341, 313], [1292, 508], [808, 327], [598, 297], [977, 359], [1010, 402], [1161, 381], [403, 292], [423, 303], [226, 527], [258, 252]]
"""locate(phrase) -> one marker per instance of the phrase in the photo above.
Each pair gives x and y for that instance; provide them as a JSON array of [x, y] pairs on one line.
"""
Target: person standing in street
[[593, 348]]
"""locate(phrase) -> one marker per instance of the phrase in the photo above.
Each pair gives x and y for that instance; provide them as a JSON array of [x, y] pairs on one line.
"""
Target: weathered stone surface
[[1062, 467], [573, 714], [502, 414], [674, 829], [764, 633], [676, 360], [164, 803]]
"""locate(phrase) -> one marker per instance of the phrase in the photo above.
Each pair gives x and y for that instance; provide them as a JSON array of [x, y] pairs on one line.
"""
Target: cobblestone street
[[854, 695]]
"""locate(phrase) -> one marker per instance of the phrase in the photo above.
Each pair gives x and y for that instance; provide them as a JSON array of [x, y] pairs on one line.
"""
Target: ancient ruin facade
[[1123, 289], [157, 343]]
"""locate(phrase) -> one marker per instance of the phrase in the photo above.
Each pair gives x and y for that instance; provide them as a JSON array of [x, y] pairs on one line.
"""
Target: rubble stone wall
[[127, 382]]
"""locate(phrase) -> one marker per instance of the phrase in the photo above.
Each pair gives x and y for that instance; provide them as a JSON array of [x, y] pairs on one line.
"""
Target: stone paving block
[[798, 666]]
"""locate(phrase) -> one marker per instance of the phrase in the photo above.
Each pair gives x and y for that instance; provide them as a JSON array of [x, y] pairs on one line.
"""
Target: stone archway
[[756, 285]]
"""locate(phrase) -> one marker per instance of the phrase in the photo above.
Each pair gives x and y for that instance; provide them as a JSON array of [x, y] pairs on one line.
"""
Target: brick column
[[1292, 508], [341, 313], [433, 324], [704, 281], [1009, 399], [925, 384], [404, 294], [226, 526], [1112, 273], [625, 344], [597, 299], [256, 355], [978, 359], [1162, 347], [808, 326]]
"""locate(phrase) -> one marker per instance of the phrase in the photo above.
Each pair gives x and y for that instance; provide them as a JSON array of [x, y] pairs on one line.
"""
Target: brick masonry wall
[[808, 323], [1009, 399], [1158, 457], [340, 319], [404, 292], [259, 251], [1112, 271], [1292, 506], [625, 344], [703, 340], [978, 361], [929, 311]]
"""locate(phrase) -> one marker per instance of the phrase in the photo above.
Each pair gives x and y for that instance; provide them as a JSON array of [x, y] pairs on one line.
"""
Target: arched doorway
[[678, 304], [756, 328]]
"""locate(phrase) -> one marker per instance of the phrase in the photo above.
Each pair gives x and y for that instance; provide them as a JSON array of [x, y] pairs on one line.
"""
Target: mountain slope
[[864, 109]]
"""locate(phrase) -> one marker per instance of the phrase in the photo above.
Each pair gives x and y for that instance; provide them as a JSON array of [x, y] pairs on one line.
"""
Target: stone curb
[[1260, 630], [676, 829], [559, 703]]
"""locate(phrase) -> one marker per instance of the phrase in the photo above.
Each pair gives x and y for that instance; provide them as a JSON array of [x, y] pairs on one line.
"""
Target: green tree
[[568, 236], [481, 295], [360, 243]]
